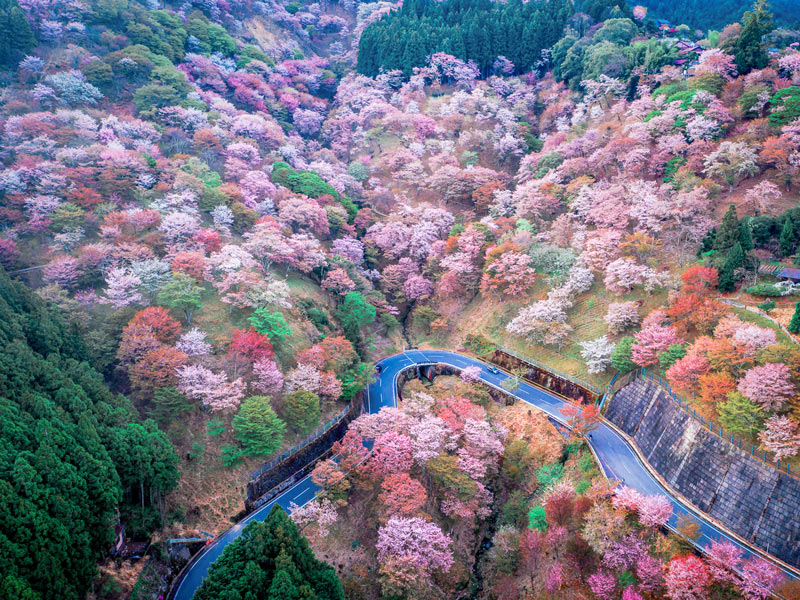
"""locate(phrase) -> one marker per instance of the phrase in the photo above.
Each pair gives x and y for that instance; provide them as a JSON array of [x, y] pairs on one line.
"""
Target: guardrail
[[577, 380], [320, 431]]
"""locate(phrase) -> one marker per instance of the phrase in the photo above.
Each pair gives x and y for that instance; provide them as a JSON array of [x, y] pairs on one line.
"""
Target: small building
[[790, 274]]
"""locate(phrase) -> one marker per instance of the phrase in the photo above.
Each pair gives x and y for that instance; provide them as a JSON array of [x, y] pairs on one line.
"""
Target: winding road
[[617, 459]]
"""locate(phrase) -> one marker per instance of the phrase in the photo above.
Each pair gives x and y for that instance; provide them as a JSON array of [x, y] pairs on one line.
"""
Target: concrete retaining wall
[[751, 498]]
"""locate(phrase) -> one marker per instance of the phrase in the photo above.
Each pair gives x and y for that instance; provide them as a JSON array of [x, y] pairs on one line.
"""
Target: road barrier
[[546, 377], [269, 480]]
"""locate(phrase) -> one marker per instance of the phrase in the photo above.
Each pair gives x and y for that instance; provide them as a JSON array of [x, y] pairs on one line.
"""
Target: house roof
[[789, 273]]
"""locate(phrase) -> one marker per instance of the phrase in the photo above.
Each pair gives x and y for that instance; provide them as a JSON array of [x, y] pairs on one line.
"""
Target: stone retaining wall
[[749, 497]]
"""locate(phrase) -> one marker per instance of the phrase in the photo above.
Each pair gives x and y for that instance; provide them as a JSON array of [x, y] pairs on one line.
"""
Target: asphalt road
[[617, 459]]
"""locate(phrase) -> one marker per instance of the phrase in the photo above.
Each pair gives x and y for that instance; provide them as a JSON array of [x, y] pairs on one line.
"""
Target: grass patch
[[761, 321]]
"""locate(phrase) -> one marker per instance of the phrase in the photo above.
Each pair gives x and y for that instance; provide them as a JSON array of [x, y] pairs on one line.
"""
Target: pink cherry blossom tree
[[781, 436], [268, 378], [121, 287], [760, 578], [769, 385], [417, 540], [687, 578], [651, 341], [213, 389], [655, 511], [193, 343]]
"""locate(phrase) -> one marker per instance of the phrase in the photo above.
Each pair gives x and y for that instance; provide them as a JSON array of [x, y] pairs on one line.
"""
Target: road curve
[[617, 458]]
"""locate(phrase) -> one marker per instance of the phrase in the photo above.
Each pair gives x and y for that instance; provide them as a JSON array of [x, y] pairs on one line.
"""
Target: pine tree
[[168, 405], [794, 325], [750, 52], [270, 561], [745, 237], [740, 415], [787, 239], [301, 410], [728, 231], [733, 262], [257, 427], [16, 35]]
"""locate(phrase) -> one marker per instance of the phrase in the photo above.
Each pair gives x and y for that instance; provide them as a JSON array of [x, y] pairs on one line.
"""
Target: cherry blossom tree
[[402, 495], [427, 438], [781, 436], [417, 540], [349, 248], [627, 498], [417, 286], [471, 374], [544, 321], [760, 578], [768, 385], [509, 273], [724, 561], [655, 511], [213, 389], [303, 377], [268, 378], [63, 270], [321, 512], [121, 287], [651, 341], [685, 372], [622, 316], [603, 585], [623, 274], [717, 62], [338, 282], [391, 453], [193, 343], [731, 162], [650, 572], [597, 354], [687, 578], [762, 197]]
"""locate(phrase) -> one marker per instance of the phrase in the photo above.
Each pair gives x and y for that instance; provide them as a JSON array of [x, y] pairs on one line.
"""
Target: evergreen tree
[[169, 404], [739, 415], [794, 325], [16, 35], [271, 324], [621, 356], [728, 231], [745, 237], [182, 293], [354, 314], [257, 427], [727, 275], [270, 561], [750, 52], [787, 239], [69, 456]]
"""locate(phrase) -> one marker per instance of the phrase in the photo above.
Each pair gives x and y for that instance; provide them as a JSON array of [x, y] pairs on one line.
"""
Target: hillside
[[238, 207], [716, 15]]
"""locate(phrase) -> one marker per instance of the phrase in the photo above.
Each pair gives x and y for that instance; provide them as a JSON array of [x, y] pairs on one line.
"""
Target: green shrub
[[537, 519], [550, 473]]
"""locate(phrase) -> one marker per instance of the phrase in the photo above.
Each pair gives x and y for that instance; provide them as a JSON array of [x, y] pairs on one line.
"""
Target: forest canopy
[[70, 455], [479, 30]]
